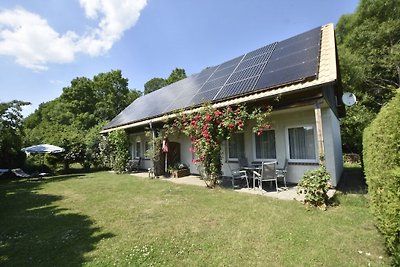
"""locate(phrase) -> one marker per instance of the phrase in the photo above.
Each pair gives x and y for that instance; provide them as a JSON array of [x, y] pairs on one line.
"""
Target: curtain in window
[[265, 145], [236, 146], [138, 149], [301, 143]]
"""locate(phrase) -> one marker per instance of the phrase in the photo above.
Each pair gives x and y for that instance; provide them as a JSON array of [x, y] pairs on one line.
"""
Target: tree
[[82, 108], [369, 55], [112, 94], [153, 85], [157, 83], [176, 75], [11, 133]]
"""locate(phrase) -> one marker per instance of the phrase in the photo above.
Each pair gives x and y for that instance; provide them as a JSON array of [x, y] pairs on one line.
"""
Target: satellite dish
[[349, 99]]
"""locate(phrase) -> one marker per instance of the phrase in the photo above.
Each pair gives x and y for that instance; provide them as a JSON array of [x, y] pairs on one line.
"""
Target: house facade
[[301, 72]]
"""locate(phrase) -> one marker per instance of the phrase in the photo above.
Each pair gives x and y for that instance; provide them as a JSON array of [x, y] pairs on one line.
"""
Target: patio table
[[251, 169]]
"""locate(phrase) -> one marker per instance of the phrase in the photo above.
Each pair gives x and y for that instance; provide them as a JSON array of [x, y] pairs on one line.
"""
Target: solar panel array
[[292, 60]]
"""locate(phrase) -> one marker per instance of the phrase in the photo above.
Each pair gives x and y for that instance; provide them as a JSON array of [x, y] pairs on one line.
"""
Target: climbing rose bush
[[208, 127]]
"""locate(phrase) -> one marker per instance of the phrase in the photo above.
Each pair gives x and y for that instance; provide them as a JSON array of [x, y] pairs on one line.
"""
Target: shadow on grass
[[35, 231], [353, 181]]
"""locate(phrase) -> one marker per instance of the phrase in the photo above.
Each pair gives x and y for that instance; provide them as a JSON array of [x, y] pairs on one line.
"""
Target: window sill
[[303, 163]]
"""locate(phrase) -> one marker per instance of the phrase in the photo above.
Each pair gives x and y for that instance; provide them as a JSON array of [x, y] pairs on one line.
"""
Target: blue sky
[[44, 45]]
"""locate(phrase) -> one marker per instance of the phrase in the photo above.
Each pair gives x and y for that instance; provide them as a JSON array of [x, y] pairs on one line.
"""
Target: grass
[[103, 219]]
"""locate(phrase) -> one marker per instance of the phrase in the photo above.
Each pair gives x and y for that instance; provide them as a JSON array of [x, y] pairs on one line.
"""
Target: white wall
[[333, 145], [280, 121], [145, 162]]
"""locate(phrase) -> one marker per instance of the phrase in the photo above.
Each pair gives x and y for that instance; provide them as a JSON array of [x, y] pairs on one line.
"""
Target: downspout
[[154, 136], [320, 132]]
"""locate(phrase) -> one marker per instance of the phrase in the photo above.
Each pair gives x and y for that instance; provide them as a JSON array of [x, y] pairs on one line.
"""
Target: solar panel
[[222, 72], [260, 59], [291, 60], [229, 63], [294, 59], [265, 49], [247, 73], [203, 97], [186, 91], [237, 88], [216, 83]]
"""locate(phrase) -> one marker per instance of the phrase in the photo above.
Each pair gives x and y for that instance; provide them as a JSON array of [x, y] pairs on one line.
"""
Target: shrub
[[314, 184], [381, 143], [120, 144]]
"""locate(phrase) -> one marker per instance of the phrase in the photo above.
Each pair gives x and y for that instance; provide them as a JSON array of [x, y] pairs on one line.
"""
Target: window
[[265, 145], [302, 143], [236, 146], [138, 149]]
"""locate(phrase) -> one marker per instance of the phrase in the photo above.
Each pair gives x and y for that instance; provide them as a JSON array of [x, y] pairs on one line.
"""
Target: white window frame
[[138, 154], [288, 143], [227, 147], [255, 148], [134, 153]]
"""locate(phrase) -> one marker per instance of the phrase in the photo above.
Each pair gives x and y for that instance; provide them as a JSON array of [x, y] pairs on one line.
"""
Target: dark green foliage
[[11, 134], [155, 151], [153, 85], [176, 75], [157, 83], [119, 146], [74, 119], [314, 184], [357, 118], [382, 170], [369, 56]]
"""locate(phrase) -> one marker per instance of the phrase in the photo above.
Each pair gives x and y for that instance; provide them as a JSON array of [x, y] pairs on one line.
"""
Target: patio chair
[[238, 175], [3, 171], [281, 173], [243, 162], [20, 173], [267, 174], [133, 164]]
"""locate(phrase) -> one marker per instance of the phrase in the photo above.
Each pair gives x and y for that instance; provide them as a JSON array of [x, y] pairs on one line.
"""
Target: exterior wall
[[133, 138], [333, 145], [280, 122]]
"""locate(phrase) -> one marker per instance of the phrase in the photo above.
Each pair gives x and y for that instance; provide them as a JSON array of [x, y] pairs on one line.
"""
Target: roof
[[303, 61]]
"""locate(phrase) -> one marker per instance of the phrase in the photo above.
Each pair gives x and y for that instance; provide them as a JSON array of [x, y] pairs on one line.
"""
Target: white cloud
[[117, 17], [56, 82], [34, 43]]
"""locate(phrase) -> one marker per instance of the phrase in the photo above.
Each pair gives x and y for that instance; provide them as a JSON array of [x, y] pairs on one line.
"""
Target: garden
[[104, 219]]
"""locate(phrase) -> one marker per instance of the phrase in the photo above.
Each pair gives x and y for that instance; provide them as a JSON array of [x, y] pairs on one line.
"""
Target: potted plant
[[179, 170]]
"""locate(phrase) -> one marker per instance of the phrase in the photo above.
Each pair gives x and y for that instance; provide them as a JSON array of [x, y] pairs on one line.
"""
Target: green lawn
[[103, 219]]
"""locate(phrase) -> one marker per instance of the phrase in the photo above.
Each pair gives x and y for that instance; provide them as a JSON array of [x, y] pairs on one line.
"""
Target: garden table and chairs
[[267, 172]]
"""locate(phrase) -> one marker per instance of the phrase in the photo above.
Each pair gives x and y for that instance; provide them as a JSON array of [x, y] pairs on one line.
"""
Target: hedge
[[381, 142]]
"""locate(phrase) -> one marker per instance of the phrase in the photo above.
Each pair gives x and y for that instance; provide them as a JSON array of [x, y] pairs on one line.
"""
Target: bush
[[120, 144], [381, 143], [314, 184]]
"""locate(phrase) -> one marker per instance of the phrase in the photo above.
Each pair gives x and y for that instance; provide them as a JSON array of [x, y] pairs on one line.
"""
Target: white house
[[301, 71]]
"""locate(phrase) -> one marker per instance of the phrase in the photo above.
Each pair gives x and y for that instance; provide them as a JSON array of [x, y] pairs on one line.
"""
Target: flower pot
[[180, 173]]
